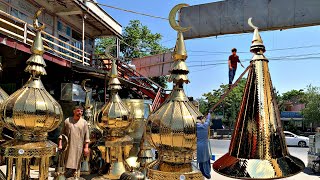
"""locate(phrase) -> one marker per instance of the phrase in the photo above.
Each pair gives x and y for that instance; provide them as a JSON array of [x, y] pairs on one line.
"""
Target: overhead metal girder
[[230, 16]]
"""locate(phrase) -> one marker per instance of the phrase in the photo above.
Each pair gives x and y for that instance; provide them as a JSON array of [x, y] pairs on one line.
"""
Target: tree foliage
[[102, 43], [138, 41], [295, 96], [311, 112], [231, 104], [203, 105]]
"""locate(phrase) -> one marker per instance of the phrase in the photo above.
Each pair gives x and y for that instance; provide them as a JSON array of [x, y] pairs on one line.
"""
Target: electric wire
[[129, 11], [211, 66], [278, 49], [271, 58], [199, 51]]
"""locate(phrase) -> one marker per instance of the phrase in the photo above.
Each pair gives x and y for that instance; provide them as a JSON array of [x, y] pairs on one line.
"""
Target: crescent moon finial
[[107, 51], [250, 23], [172, 18], [36, 21], [83, 84]]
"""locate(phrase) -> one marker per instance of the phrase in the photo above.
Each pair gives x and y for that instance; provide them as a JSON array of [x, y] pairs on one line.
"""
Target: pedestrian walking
[[76, 129], [203, 156], [232, 63]]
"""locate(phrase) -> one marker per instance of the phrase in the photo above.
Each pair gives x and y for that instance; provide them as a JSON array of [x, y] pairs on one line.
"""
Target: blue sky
[[286, 74]]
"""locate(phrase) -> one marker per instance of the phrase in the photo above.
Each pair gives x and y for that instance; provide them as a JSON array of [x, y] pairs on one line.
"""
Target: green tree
[[138, 41], [231, 104], [296, 96], [311, 112], [203, 105], [102, 43]]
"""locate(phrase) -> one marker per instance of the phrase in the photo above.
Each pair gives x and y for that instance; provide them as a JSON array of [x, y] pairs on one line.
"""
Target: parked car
[[295, 140]]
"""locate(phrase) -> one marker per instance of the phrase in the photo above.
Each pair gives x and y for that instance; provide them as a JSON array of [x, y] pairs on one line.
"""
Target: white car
[[295, 140]]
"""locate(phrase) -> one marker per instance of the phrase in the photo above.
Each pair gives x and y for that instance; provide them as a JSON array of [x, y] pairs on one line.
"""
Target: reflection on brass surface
[[145, 155], [258, 149], [13, 148], [137, 109], [115, 119], [9, 172], [31, 112], [155, 173], [173, 130], [135, 175], [172, 127], [18, 168]]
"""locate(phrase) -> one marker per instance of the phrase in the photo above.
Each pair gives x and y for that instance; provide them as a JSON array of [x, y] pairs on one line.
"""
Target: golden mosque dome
[[173, 125], [116, 117], [31, 110]]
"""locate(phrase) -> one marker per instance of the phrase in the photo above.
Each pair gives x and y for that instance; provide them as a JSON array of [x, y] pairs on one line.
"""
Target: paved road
[[220, 147]]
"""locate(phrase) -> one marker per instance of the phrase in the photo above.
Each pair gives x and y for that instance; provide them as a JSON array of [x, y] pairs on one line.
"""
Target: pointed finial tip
[[257, 42]]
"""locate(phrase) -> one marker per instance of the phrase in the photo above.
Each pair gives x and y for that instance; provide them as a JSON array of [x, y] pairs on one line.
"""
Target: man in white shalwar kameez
[[76, 129]]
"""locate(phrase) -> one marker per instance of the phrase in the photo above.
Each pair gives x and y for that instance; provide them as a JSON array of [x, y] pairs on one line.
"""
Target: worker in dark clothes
[[233, 62]]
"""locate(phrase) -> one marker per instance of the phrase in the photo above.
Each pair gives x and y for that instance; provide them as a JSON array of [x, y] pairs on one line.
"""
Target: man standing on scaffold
[[232, 63]]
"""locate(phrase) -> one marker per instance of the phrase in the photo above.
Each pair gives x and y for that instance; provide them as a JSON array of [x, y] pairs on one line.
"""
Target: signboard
[[153, 66], [291, 114], [231, 16]]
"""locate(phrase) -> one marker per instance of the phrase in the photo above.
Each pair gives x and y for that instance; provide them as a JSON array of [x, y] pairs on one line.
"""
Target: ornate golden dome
[[173, 125], [31, 110], [116, 117]]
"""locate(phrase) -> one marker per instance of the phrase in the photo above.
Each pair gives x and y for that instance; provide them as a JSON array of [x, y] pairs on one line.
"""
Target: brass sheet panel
[[258, 148]]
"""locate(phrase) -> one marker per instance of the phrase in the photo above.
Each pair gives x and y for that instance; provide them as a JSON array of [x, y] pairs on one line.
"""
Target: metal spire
[[258, 149]]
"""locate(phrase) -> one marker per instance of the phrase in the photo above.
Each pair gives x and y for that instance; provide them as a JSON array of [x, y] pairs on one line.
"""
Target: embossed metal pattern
[[21, 149], [31, 109], [116, 117], [258, 149], [115, 120], [145, 155], [172, 174], [173, 130], [172, 127], [136, 108], [31, 112]]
